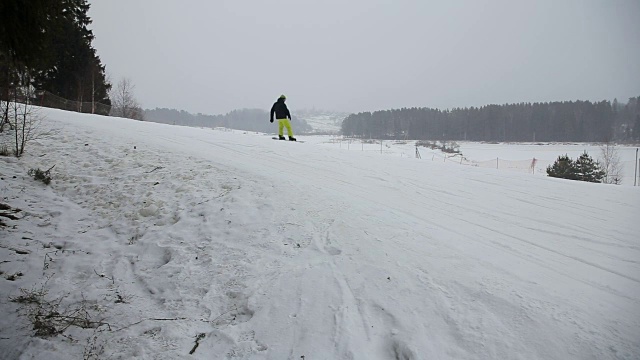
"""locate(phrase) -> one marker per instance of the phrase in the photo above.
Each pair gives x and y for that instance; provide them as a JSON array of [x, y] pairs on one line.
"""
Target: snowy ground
[[501, 156], [171, 237], [326, 122]]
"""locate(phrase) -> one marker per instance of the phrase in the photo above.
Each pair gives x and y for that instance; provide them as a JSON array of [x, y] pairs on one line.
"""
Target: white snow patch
[[231, 245]]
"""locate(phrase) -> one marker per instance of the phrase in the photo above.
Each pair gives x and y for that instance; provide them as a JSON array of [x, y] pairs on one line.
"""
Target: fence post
[[635, 173], [496, 163]]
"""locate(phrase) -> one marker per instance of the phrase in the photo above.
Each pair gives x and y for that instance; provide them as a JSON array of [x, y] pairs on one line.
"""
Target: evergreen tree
[[48, 42], [563, 168], [583, 169], [25, 30], [636, 129], [588, 170], [76, 71]]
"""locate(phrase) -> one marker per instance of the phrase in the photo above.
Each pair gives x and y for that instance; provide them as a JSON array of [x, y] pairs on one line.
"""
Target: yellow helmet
[[282, 97]]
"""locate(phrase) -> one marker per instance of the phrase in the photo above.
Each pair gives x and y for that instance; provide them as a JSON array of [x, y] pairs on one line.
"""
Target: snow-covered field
[[230, 245], [322, 121], [502, 156]]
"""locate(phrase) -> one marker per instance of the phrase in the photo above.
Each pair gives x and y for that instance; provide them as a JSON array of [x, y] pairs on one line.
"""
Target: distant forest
[[576, 121], [245, 119]]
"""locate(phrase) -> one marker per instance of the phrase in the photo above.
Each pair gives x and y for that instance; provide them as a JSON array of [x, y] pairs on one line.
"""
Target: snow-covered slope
[[322, 122], [231, 245]]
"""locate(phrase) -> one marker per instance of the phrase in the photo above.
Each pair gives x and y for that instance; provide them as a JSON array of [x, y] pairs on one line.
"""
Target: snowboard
[[287, 140]]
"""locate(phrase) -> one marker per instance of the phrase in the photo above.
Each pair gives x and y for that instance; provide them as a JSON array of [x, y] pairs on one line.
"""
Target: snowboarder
[[283, 115]]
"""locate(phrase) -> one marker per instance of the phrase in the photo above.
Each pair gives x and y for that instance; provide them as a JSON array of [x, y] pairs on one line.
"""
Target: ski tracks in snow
[[230, 260], [207, 252], [168, 255]]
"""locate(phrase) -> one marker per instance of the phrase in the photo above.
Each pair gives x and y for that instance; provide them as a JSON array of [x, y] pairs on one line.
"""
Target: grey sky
[[213, 56]]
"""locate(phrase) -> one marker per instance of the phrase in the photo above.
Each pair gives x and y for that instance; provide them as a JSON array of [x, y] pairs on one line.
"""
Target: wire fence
[[628, 166], [531, 165], [46, 99], [627, 169]]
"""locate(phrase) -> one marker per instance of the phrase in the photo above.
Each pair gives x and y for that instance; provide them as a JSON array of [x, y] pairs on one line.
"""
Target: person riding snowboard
[[283, 115]]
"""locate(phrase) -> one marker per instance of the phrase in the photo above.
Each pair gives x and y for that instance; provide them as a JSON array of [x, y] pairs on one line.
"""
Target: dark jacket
[[280, 109]]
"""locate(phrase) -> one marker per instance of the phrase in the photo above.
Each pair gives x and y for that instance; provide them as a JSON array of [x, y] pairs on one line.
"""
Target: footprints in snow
[[328, 245], [296, 237]]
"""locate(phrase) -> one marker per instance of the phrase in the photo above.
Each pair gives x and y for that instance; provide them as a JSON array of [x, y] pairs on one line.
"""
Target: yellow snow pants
[[284, 123]]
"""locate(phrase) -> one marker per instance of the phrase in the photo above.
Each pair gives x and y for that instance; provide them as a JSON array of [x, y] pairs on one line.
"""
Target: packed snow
[[325, 122], [181, 242]]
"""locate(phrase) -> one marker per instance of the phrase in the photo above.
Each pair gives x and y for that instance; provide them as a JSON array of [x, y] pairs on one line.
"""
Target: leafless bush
[[19, 113], [51, 317], [427, 144], [610, 161], [123, 101], [448, 147]]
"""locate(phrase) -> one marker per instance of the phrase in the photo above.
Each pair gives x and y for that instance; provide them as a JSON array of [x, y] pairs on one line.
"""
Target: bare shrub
[[123, 101], [610, 162], [19, 113], [51, 317], [447, 147]]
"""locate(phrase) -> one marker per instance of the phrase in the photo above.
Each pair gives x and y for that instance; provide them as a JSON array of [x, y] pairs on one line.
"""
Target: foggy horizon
[[212, 58]]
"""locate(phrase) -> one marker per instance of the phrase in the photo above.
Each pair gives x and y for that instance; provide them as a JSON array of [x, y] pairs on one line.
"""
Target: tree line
[[46, 45], [579, 121], [243, 119]]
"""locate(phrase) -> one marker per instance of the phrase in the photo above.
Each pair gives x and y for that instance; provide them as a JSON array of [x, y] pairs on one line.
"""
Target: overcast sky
[[213, 56]]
